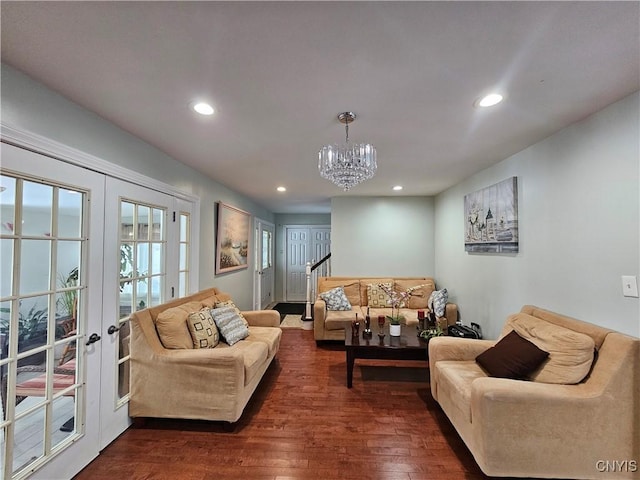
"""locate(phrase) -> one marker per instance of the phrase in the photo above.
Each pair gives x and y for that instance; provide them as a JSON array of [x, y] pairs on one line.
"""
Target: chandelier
[[349, 164]]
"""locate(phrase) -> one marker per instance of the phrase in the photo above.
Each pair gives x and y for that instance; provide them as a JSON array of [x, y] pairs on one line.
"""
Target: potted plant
[[396, 299]]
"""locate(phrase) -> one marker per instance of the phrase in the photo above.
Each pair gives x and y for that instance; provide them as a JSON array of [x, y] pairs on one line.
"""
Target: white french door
[[146, 264], [51, 241], [80, 252]]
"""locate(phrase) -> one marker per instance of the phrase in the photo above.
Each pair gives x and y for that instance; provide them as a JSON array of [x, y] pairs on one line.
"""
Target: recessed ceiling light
[[489, 100], [397, 188], [281, 189], [203, 108]]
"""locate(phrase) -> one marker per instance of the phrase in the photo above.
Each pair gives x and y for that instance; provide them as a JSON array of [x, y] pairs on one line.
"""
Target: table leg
[[350, 361]]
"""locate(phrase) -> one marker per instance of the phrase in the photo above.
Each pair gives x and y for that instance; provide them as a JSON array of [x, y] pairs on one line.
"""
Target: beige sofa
[[330, 325], [590, 429], [207, 383]]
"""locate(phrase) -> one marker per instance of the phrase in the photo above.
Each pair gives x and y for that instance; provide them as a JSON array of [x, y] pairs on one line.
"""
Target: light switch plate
[[629, 286]]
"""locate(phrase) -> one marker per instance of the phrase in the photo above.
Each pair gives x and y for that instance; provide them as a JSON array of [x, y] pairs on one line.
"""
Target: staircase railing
[[312, 272]]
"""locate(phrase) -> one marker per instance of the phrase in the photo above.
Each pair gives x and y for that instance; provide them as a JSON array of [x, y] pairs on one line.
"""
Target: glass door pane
[[41, 396]]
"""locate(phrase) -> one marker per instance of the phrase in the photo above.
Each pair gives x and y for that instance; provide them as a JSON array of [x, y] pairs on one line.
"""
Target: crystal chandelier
[[349, 164]]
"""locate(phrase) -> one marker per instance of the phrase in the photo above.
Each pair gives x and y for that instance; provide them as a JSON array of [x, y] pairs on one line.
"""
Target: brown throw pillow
[[512, 357]]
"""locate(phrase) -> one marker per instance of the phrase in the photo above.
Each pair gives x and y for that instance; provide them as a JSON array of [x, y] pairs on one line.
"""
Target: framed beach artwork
[[232, 239], [491, 218]]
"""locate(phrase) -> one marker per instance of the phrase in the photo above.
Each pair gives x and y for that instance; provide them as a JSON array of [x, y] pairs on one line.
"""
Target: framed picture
[[491, 218], [232, 239]]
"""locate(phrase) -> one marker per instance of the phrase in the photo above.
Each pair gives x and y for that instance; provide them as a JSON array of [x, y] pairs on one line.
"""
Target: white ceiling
[[278, 73]]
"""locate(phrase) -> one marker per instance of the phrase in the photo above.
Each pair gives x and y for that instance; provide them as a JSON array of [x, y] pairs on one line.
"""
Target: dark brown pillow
[[512, 357]]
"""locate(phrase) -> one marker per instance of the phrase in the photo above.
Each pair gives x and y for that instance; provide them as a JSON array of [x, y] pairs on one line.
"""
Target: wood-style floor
[[303, 423]]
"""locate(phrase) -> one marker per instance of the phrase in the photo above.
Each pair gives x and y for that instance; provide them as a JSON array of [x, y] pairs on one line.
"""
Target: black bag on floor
[[462, 331]]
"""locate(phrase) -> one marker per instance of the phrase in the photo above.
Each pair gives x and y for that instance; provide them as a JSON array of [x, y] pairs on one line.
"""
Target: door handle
[[112, 329], [93, 338]]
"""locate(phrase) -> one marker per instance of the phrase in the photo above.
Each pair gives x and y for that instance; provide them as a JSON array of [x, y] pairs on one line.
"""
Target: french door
[[80, 252], [140, 271], [50, 301]]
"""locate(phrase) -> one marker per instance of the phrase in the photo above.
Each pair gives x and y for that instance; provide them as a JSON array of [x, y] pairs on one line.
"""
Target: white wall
[[578, 222], [30, 106], [380, 236]]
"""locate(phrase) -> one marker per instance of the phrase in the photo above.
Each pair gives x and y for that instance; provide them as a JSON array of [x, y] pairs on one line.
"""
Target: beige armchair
[[532, 429]]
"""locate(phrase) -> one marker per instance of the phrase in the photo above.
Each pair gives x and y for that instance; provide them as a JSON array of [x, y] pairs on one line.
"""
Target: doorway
[[303, 243], [264, 278]]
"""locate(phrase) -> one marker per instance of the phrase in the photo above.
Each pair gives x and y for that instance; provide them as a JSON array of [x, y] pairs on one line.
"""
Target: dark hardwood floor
[[303, 423]]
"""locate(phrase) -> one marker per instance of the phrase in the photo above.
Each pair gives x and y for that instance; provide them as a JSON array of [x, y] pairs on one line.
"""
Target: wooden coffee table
[[406, 347]]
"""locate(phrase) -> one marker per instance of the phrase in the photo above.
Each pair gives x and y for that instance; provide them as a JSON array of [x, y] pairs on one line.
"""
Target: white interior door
[[297, 245], [140, 270], [304, 243], [321, 247], [51, 238], [267, 278], [264, 278]]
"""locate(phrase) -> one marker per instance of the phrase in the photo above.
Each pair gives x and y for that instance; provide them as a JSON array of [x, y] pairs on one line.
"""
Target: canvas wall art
[[491, 218], [232, 246]]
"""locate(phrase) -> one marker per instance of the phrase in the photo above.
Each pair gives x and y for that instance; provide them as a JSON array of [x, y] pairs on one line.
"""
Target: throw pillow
[[336, 299], [351, 289], [512, 357], [229, 303], [418, 296], [438, 301], [172, 325], [377, 297], [231, 326], [203, 329]]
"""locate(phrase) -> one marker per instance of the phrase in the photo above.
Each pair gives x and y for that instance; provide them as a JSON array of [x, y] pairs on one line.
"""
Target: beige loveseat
[[330, 324], [205, 383], [519, 428]]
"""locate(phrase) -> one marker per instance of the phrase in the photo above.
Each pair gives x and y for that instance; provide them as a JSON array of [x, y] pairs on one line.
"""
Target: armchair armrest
[[262, 318], [557, 421], [454, 348]]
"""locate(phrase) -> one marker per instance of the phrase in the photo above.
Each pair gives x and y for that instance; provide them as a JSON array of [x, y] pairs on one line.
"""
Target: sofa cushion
[[267, 335], [570, 353], [203, 330], [377, 297], [512, 357], [254, 355], [336, 299], [230, 325], [171, 325], [339, 320], [419, 291]]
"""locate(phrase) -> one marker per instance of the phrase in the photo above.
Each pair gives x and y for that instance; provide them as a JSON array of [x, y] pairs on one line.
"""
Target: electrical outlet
[[629, 286]]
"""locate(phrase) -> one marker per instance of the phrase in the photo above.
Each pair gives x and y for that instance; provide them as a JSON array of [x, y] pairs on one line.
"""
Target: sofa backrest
[[355, 288], [146, 320], [594, 331]]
